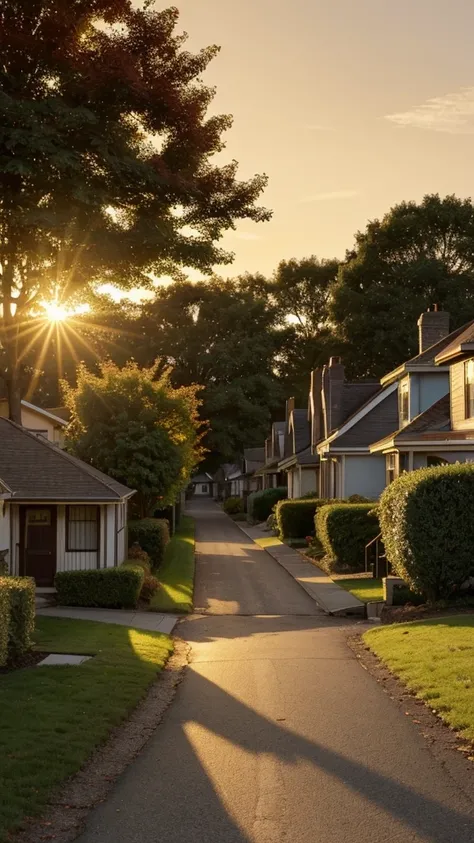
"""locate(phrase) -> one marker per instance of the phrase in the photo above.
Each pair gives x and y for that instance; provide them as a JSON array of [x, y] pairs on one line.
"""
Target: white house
[[56, 512], [202, 484]]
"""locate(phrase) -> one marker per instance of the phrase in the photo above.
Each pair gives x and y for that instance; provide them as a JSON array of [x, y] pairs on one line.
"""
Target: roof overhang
[[448, 356], [409, 368], [57, 419]]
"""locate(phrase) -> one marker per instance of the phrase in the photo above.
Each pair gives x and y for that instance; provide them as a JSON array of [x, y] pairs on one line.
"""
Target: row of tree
[[108, 174]]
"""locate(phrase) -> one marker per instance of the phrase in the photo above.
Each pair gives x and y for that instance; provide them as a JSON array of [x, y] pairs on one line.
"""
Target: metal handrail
[[372, 541]]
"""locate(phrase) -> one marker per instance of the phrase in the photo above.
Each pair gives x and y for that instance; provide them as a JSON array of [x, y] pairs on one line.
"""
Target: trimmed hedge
[[295, 517], [344, 529], [106, 588], [428, 528], [17, 615], [260, 504], [152, 534], [233, 505], [4, 623]]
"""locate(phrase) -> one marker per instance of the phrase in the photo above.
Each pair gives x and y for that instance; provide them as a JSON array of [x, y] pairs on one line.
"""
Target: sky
[[349, 106]]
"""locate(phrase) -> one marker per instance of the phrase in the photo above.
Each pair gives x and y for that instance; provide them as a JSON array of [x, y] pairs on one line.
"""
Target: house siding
[[5, 528], [458, 407], [364, 475], [420, 460], [426, 389], [15, 539], [309, 481], [76, 560]]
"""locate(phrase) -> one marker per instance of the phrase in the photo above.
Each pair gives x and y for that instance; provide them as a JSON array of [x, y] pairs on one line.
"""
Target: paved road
[[276, 733]]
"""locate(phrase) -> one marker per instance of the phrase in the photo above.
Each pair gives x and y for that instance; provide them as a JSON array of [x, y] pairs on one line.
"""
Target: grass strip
[[365, 590], [434, 658], [176, 574], [52, 718]]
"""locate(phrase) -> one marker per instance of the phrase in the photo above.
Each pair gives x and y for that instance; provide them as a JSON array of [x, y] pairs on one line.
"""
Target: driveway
[[276, 733]]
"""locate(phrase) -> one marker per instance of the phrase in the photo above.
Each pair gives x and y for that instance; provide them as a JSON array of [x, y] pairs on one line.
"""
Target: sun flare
[[55, 311]]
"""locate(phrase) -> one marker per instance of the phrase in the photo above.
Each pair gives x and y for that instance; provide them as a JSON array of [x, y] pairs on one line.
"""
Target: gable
[[377, 423]]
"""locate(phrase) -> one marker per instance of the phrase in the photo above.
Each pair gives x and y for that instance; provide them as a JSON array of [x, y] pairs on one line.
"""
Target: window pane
[[469, 388], [82, 528]]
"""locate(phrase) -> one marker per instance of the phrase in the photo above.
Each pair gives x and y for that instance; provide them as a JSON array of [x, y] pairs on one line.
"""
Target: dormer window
[[404, 402], [469, 388]]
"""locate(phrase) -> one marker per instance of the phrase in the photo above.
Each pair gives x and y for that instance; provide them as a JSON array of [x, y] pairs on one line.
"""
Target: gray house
[[442, 431], [299, 463], [270, 473], [56, 512]]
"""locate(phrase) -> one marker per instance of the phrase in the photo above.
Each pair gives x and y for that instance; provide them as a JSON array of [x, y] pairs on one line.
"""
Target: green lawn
[[435, 659], [51, 718], [364, 589], [176, 574]]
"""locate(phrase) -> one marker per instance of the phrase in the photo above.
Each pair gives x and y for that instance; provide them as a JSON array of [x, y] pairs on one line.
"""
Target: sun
[[55, 311]]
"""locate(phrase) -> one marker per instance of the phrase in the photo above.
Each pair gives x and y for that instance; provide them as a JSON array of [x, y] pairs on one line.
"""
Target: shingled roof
[[462, 343], [31, 468]]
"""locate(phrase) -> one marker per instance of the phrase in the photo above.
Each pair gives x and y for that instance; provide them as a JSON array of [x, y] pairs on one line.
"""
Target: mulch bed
[[30, 659]]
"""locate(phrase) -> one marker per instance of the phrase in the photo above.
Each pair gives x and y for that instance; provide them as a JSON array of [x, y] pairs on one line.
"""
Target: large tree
[[300, 290], [222, 334], [416, 256], [135, 426], [106, 171]]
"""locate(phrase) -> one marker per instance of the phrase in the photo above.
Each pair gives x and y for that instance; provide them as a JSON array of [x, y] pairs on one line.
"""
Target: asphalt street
[[276, 732]]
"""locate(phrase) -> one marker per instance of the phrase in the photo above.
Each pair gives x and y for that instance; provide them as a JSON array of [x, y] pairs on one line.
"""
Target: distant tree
[[301, 292], [222, 334], [137, 428], [417, 255], [106, 168]]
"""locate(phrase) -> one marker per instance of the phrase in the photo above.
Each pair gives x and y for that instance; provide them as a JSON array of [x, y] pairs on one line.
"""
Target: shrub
[[344, 529], [4, 622], [232, 506], [260, 504], [152, 534], [139, 557], [22, 615], [295, 518], [149, 586], [428, 529], [107, 588]]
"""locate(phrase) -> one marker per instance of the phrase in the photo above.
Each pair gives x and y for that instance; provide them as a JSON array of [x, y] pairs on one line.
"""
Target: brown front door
[[38, 543]]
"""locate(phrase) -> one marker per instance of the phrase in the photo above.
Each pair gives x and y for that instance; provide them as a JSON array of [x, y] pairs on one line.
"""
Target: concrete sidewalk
[[150, 621], [331, 598]]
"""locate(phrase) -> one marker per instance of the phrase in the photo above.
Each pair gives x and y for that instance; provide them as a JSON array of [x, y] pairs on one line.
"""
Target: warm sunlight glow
[[55, 312]]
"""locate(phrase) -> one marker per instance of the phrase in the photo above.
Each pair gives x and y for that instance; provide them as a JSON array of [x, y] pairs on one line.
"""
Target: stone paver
[[332, 599], [63, 660], [151, 621]]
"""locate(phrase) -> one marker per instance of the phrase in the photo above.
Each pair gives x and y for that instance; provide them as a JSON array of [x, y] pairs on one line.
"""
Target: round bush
[[428, 528], [152, 534], [232, 506], [260, 504]]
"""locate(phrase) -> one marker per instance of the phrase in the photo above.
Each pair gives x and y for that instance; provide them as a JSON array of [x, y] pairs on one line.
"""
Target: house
[[442, 432], [345, 419], [240, 479], [299, 463], [270, 474], [51, 424], [56, 512], [202, 484]]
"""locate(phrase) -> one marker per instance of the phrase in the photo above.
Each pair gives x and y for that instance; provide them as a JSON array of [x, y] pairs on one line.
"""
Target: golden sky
[[349, 106]]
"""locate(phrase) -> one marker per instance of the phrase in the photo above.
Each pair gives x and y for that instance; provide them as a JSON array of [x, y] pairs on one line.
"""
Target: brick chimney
[[333, 385], [287, 445], [315, 417], [290, 406], [433, 326]]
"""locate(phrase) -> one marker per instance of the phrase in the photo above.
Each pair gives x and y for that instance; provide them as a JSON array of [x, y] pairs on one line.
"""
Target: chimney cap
[[335, 361]]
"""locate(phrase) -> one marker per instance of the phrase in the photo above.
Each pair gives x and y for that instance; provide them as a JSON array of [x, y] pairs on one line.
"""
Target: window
[[391, 468], [402, 462], [82, 525], [404, 402], [204, 489], [469, 388]]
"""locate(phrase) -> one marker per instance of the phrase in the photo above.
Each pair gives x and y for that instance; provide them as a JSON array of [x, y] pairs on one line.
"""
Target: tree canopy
[[135, 426], [106, 170], [416, 256]]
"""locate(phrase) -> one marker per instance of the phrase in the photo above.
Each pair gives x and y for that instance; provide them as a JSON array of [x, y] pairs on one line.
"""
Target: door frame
[[54, 525]]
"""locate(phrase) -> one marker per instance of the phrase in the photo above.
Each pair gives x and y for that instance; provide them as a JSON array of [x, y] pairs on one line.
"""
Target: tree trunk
[[12, 380]]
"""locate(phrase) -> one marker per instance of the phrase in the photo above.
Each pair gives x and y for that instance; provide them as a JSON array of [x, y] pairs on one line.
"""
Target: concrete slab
[[331, 598], [62, 659], [150, 621]]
